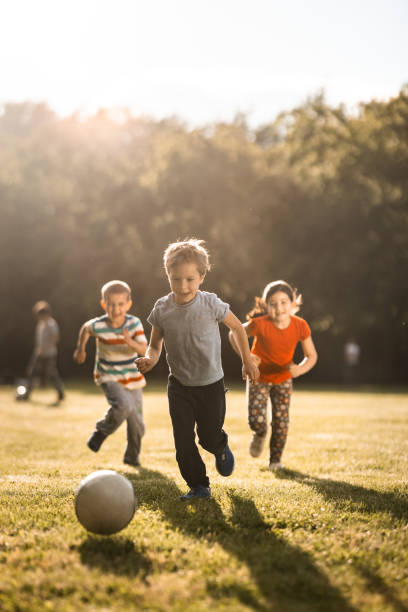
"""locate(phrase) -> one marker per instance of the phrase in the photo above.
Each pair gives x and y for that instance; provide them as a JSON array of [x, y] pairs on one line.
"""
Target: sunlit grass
[[330, 532]]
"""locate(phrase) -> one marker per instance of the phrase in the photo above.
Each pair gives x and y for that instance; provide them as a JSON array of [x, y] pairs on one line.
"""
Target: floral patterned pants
[[279, 395]]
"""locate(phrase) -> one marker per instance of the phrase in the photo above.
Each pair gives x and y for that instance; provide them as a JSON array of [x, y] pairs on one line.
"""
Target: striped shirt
[[114, 358]]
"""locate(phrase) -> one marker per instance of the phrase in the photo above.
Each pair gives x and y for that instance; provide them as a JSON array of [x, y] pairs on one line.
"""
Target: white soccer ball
[[105, 502]]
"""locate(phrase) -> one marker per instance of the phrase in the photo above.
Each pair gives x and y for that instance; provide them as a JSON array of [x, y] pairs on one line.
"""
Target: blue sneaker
[[200, 492], [95, 440], [224, 462]]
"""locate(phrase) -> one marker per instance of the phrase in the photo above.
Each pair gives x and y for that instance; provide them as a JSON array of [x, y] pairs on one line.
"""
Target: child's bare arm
[[84, 334], [309, 360], [153, 352], [140, 346], [232, 339], [239, 341], [234, 345]]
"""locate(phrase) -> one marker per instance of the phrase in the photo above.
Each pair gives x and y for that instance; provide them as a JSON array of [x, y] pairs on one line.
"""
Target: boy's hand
[[144, 364], [126, 335], [250, 370], [79, 355], [257, 360]]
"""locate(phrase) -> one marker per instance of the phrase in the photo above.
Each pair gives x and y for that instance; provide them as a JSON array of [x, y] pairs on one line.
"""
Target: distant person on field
[[351, 360], [43, 362], [120, 339], [187, 321], [276, 332]]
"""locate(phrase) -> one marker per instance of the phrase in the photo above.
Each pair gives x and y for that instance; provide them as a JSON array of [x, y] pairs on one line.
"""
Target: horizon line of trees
[[318, 197]]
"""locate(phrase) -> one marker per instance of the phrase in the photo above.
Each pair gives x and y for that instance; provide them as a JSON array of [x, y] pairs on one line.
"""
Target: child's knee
[[257, 426], [257, 419], [119, 405]]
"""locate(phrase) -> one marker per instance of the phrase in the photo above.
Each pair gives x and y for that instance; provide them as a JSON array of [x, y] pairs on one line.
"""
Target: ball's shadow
[[115, 554]]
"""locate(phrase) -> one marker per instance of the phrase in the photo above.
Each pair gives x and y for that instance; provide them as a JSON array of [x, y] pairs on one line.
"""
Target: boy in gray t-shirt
[[187, 320], [43, 360]]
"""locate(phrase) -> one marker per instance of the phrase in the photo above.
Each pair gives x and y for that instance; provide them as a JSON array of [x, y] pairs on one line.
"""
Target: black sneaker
[[96, 440], [134, 463], [198, 492], [224, 462]]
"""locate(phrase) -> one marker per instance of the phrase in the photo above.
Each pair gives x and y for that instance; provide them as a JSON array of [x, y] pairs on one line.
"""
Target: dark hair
[[260, 308], [42, 308]]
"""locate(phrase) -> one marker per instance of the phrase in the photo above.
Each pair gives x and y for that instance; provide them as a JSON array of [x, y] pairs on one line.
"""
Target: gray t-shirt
[[191, 336], [46, 337]]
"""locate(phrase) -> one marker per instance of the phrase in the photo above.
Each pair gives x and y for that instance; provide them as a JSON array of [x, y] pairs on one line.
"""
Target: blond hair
[[187, 251], [115, 286]]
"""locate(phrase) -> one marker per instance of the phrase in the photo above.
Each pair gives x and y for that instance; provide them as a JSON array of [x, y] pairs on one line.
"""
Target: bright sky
[[204, 60]]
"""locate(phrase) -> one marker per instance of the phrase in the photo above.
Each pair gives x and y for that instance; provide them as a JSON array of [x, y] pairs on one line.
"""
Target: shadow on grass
[[364, 500], [284, 577], [376, 584], [115, 554]]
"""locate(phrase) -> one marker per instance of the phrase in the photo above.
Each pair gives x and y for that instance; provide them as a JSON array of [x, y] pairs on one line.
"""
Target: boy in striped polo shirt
[[120, 339]]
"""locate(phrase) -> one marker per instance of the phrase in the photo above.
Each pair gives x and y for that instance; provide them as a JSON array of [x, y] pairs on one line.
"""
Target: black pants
[[202, 408]]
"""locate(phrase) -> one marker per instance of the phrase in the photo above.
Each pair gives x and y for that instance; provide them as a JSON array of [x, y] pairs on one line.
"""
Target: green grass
[[330, 532]]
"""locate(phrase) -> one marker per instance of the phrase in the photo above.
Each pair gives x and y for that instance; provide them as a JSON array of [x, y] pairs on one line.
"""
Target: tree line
[[318, 197]]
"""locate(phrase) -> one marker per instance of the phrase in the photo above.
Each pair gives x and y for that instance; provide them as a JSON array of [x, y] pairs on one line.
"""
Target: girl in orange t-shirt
[[276, 332]]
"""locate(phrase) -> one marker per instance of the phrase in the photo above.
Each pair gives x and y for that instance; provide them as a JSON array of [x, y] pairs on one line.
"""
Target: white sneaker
[[257, 444], [275, 466]]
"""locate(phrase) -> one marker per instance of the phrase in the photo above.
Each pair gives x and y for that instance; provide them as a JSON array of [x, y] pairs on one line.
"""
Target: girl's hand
[[79, 355], [251, 371], [295, 370], [144, 364]]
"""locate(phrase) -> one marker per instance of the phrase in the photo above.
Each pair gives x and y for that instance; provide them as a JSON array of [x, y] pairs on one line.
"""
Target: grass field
[[330, 532]]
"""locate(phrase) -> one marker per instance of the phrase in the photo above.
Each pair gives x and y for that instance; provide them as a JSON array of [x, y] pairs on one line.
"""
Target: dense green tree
[[318, 197]]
